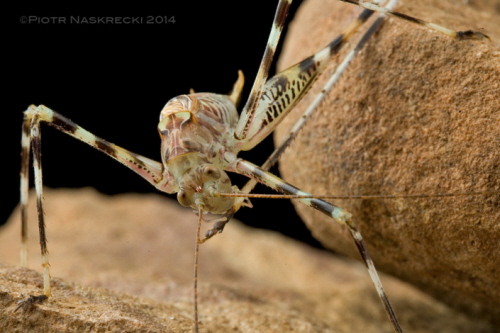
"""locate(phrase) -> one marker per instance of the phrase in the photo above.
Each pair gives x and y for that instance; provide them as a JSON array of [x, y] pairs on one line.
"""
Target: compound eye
[[183, 198], [211, 171]]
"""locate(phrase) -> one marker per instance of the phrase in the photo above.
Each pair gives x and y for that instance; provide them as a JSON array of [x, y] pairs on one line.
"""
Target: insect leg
[[258, 87], [273, 158], [284, 90], [469, 34], [151, 170], [337, 213]]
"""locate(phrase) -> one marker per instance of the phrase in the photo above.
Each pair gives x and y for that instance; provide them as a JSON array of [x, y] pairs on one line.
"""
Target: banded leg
[[31, 137], [258, 87], [150, 170], [300, 123], [281, 93], [320, 137], [284, 90], [273, 158], [337, 213], [469, 34]]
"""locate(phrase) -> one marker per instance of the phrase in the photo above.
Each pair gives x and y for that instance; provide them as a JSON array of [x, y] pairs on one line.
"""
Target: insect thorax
[[197, 133]]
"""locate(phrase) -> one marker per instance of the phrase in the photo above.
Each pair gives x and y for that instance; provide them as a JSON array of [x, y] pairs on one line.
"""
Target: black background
[[113, 79]]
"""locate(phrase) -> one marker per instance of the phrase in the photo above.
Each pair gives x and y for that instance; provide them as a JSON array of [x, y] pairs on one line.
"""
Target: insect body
[[196, 132], [201, 137]]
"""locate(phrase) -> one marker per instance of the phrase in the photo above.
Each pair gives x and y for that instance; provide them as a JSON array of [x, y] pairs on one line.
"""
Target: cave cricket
[[201, 135]]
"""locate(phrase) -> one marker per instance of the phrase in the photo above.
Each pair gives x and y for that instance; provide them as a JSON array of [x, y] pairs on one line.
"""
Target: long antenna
[[344, 197], [195, 273]]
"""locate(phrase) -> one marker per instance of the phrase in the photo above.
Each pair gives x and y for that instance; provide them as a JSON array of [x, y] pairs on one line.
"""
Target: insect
[[208, 171]]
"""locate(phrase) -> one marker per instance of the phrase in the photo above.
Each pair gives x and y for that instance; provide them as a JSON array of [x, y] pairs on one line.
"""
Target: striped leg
[[284, 90], [273, 158], [337, 213], [31, 134], [469, 34], [258, 87], [150, 170], [331, 211], [25, 161], [388, 10], [281, 93]]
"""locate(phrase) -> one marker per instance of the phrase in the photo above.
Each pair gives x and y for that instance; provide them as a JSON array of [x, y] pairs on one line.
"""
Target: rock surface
[[416, 112], [124, 264]]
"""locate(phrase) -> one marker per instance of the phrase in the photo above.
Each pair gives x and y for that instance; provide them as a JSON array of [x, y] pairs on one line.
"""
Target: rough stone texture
[[416, 112], [129, 260]]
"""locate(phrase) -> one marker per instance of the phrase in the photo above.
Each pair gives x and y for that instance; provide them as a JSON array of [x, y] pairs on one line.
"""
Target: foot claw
[[27, 303], [469, 34], [216, 229]]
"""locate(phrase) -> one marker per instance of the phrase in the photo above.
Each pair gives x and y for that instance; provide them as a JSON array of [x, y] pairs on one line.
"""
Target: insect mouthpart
[[197, 186]]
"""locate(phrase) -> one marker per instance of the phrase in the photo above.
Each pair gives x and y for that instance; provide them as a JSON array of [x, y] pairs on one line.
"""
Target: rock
[[124, 264], [419, 113]]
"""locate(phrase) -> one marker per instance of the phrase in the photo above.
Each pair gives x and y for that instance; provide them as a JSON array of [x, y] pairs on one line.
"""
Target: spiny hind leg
[[285, 143]]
